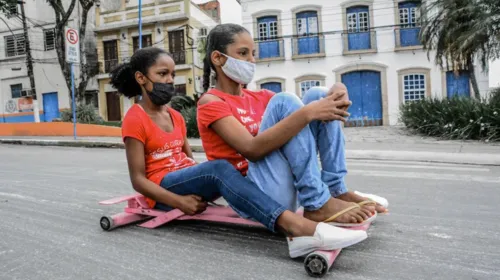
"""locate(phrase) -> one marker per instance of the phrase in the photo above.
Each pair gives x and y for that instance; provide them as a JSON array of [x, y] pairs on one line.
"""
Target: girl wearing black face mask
[[162, 168]]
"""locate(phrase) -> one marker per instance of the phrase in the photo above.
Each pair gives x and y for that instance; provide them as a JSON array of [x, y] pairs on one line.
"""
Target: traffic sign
[[72, 45]]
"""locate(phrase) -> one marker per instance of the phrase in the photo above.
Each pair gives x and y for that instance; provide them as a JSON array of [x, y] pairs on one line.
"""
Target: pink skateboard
[[317, 264]]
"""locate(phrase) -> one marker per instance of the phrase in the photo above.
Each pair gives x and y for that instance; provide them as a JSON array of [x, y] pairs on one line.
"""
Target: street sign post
[[72, 57]]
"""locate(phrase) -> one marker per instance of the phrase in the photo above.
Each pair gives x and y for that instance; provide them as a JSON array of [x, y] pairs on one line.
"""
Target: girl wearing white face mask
[[274, 139]]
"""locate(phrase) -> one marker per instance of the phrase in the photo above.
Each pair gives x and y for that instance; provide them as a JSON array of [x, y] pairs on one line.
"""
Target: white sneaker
[[380, 200], [326, 238]]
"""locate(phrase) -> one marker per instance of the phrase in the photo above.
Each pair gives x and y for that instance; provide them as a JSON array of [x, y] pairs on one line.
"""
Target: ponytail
[[123, 79], [206, 73]]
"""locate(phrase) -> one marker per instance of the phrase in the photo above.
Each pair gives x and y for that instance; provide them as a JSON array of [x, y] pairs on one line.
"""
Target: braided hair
[[123, 76], [218, 39]]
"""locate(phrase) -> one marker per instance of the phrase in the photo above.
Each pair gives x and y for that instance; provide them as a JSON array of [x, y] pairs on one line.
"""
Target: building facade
[[18, 103], [370, 45], [212, 8], [174, 25]]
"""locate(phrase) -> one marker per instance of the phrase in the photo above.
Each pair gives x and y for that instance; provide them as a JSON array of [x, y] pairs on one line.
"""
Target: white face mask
[[238, 70]]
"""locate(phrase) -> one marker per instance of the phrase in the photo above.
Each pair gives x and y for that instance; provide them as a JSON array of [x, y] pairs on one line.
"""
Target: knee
[[314, 93], [286, 101], [223, 167]]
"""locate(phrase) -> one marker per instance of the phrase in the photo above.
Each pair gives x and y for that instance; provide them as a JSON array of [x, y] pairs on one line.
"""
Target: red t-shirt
[[163, 150], [248, 109]]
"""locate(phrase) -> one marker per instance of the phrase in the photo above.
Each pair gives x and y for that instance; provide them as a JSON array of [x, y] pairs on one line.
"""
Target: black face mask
[[162, 93]]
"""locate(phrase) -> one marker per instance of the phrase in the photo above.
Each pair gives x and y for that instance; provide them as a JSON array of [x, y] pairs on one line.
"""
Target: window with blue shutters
[[268, 37], [307, 31], [409, 23], [358, 28], [414, 87], [272, 86]]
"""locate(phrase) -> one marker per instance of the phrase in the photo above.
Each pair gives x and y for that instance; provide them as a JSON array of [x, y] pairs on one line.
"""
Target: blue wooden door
[[307, 30], [50, 106], [457, 85], [358, 28], [365, 93], [409, 24], [272, 86], [268, 35]]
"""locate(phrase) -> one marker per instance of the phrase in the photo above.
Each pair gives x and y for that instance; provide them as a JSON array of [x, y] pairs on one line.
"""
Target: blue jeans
[[292, 175], [213, 179]]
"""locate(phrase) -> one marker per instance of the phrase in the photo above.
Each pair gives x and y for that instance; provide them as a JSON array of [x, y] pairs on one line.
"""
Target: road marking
[[395, 164], [417, 166], [440, 235]]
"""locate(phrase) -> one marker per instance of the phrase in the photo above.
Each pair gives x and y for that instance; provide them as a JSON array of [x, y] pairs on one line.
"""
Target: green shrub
[[495, 97], [455, 118], [182, 102], [84, 114], [189, 115], [113, 123]]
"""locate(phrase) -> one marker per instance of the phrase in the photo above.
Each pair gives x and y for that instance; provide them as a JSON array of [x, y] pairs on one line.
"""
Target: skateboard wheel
[[316, 265], [106, 223]]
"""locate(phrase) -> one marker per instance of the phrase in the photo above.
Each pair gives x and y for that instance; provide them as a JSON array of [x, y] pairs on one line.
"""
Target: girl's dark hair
[[123, 76], [217, 40]]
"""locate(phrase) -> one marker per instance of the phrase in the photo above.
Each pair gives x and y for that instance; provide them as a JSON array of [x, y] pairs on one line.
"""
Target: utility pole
[[29, 63], [29, 59]]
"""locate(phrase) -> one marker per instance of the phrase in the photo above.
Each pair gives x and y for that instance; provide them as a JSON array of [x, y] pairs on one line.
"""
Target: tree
[[87, 66], [6, 4], [460, 31]]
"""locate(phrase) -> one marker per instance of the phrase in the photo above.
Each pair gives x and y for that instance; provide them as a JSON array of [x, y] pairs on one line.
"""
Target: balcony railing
[[109, 65], [179, 57], [359, 41], [407, 37], [106, 66], [310, 45], [272, 49]]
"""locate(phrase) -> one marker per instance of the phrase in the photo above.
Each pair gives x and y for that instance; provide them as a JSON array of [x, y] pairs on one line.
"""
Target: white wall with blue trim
[[349, 33]]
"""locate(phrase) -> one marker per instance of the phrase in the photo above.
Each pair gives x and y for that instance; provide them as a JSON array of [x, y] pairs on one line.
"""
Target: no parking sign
[[72, 45]]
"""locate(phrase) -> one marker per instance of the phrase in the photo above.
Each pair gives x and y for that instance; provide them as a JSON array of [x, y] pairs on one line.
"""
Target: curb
[[77, 144], [431, 157]]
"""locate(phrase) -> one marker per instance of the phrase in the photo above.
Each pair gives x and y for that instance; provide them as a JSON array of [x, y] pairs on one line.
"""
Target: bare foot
[[333, 206], [371, 207]]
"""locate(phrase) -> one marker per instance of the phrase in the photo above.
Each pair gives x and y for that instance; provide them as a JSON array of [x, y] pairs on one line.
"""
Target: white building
[[370, 45], [52, 95]]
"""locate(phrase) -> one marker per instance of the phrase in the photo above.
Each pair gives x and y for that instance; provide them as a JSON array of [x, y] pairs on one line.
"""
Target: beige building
[[174, 25]]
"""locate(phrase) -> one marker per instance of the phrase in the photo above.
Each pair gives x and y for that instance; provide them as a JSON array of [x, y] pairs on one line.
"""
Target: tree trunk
[[84, 67], [473, 80], [62, 17]]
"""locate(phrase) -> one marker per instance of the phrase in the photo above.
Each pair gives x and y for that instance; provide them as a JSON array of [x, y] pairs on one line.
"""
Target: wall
[[494, 74], [331, 20], [230, 10], [212, 8]]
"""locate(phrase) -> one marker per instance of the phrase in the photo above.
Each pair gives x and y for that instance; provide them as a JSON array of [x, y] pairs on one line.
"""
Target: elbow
[[253, 154], [136, 184]]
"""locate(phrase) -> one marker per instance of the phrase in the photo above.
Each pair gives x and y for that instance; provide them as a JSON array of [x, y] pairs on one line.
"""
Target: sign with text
[[72, 45]]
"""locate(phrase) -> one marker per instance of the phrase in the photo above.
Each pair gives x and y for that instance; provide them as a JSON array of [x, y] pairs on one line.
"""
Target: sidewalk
[[377, 143]]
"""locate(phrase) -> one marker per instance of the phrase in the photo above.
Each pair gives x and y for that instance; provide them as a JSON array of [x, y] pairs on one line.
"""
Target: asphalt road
[[443, 225]]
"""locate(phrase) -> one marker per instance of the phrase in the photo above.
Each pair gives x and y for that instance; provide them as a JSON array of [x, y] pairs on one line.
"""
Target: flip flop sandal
[[380, 200], [354, 206]]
